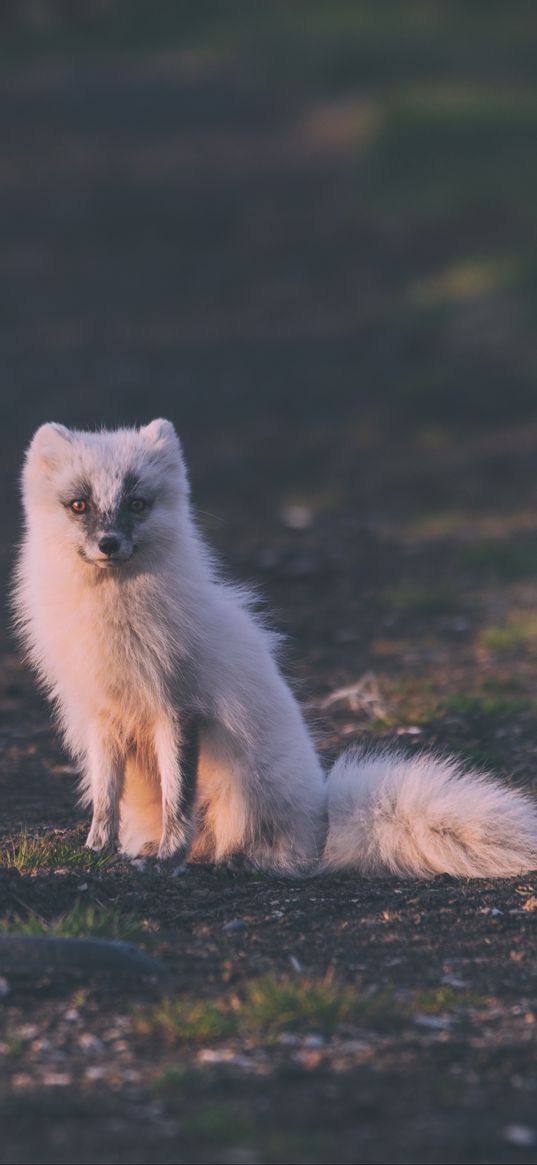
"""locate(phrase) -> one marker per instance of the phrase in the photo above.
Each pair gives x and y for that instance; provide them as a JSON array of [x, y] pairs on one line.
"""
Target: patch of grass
[[279, 1146], [83, 920], [381, 724], [416, 701], [220, 1122], [339, 46], [469, 279], [519, 633], [273, 1005], [180, 1081], [439, 1000], [419, 702], [444, 139], [411, 700], [187, 1020], [486, 705], [213, 1107], [469, 526], [504, 559], [28, 855], [267, 1007], [12, 1045], [444, 523], [483, 756], [413, 599]]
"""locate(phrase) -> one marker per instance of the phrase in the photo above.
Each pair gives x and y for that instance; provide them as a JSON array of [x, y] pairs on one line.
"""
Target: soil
[[176, 243]]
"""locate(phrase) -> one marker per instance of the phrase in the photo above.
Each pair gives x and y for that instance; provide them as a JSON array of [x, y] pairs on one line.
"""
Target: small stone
[[225, 1056], [314, 1041], [297, 517], [41, 1045], [434, 1022], [22, 1080], [28, 1031], [56, 1079], [234, 924], [521, 1135], [91, 1043]]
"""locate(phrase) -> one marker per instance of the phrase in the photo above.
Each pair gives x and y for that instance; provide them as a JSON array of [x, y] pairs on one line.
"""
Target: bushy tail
[[422, 815]]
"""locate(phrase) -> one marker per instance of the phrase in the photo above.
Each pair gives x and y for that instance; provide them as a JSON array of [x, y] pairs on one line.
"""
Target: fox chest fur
[[113, 649]]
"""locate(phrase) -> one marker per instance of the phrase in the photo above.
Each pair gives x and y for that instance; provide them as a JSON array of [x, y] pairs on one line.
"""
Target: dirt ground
[[334, 302]]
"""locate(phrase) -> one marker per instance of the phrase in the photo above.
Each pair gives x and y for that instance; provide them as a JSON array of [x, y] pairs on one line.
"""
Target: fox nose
[[109, 545]]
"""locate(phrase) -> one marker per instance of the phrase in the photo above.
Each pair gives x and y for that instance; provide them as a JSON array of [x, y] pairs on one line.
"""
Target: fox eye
[[79, 506], [136, 505]]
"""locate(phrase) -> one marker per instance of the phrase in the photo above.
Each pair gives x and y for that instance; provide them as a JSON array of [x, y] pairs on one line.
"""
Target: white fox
[[167, 688]]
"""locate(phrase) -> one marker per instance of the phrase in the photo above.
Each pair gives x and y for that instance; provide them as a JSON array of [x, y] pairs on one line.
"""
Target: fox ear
[[163, 441], [164, 448], [160, 433], [48, 445]]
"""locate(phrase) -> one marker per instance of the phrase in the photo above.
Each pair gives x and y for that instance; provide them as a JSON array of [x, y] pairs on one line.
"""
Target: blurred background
[[306, 232]]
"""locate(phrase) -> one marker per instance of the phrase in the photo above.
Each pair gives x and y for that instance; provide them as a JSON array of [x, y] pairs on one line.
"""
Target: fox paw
[[100, 838], [172, 852], [174, 844]]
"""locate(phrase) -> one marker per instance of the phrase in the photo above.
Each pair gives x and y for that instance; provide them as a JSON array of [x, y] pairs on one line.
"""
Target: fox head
[[111, 498]]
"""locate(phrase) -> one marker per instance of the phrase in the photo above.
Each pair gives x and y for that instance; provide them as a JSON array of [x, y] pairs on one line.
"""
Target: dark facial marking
[[133, 496], [121, 520], [80, 491], [131, 485]]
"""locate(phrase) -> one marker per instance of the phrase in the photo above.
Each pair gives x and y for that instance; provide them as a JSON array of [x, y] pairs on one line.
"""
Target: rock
[[43, 957]]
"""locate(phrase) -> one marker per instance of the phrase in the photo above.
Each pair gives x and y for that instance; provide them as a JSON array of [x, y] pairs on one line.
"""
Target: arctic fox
[[167, 687]]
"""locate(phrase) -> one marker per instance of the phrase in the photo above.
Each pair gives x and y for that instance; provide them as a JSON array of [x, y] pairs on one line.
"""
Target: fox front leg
[[177, 750], [103, 780]]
